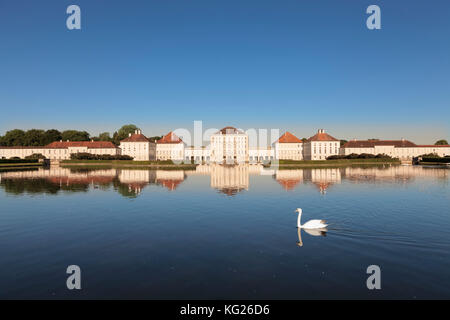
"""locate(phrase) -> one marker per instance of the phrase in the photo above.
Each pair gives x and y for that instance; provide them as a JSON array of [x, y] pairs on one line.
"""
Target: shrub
[[18, 160], [359, 156], [430, 155], [439, 160], [35, 156], [90, 156]]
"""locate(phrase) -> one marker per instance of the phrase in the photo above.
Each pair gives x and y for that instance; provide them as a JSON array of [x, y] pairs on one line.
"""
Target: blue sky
[[294, 65]]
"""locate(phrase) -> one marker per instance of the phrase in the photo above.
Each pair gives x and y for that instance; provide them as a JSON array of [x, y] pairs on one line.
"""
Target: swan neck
[[298, 220]]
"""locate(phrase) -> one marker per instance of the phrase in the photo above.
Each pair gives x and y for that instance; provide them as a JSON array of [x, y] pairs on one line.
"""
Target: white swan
[[311, 224]]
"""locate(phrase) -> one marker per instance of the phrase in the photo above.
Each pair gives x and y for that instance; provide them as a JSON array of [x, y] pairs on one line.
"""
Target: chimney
[[92, 140], [129, 135], [67, 140], [60, 140]]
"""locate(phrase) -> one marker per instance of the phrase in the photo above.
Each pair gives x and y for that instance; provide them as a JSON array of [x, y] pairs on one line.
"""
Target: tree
[[74, 135], [153, 139], [441, 143], [34, 137], [343, 142], [104, 136], [51, 136], [123, 133], [13, 138]]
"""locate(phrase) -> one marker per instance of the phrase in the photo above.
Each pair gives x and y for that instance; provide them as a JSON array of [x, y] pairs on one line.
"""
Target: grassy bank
[[20, 165], [167, 165], [289, 164]]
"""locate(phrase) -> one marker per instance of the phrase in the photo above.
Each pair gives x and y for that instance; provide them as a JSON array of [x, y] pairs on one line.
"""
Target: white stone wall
[[140, 151], [229, 148], [261, 155], [53, 154], [320, 150], [289, 151], [170, 151], [197, 155], [402, 153]]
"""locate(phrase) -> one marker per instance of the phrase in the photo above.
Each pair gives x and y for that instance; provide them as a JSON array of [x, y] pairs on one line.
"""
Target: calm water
[[225, 233]]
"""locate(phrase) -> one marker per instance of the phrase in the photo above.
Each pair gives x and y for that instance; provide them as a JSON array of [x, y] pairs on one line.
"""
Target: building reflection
[[289, 179], [128, 182], [322, 178], [170, 179], [229, 180]]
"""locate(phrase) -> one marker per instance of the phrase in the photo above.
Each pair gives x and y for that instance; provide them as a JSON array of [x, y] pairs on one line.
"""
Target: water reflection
[[313, 232], [229, 180]]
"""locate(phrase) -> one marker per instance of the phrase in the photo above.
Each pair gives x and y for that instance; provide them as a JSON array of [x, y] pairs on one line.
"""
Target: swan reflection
[[313, 232]]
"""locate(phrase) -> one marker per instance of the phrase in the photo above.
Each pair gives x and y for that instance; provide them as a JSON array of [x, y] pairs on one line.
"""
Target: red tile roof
[[20, 147], [136, 137], [322, 136], [229, 130], [288, 137], [170, 138], [88, 144], [373, 143]]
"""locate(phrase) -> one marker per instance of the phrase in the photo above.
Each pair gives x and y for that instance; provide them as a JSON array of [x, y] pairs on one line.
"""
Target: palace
[[61, 150], [402, 149], [229, 146]]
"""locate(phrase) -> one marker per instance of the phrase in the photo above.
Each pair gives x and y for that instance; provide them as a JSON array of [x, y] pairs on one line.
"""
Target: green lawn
[[20, 164]]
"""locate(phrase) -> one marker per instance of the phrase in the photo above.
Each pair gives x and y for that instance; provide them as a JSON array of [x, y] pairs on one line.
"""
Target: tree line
[[38, 137]]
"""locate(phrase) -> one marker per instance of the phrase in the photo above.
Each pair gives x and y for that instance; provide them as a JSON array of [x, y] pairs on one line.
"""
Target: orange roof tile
[[229, 130], [288, 137], [373, 143], [170, 138], [136, 137], [322, 136]]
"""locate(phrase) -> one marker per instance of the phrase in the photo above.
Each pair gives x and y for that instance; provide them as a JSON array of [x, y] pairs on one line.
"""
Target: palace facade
[[138, 146], [402, 149], [230, 146], [61, 150]]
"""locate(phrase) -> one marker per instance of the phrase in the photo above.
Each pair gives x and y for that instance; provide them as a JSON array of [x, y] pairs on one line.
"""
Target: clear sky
[[294, 65]]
